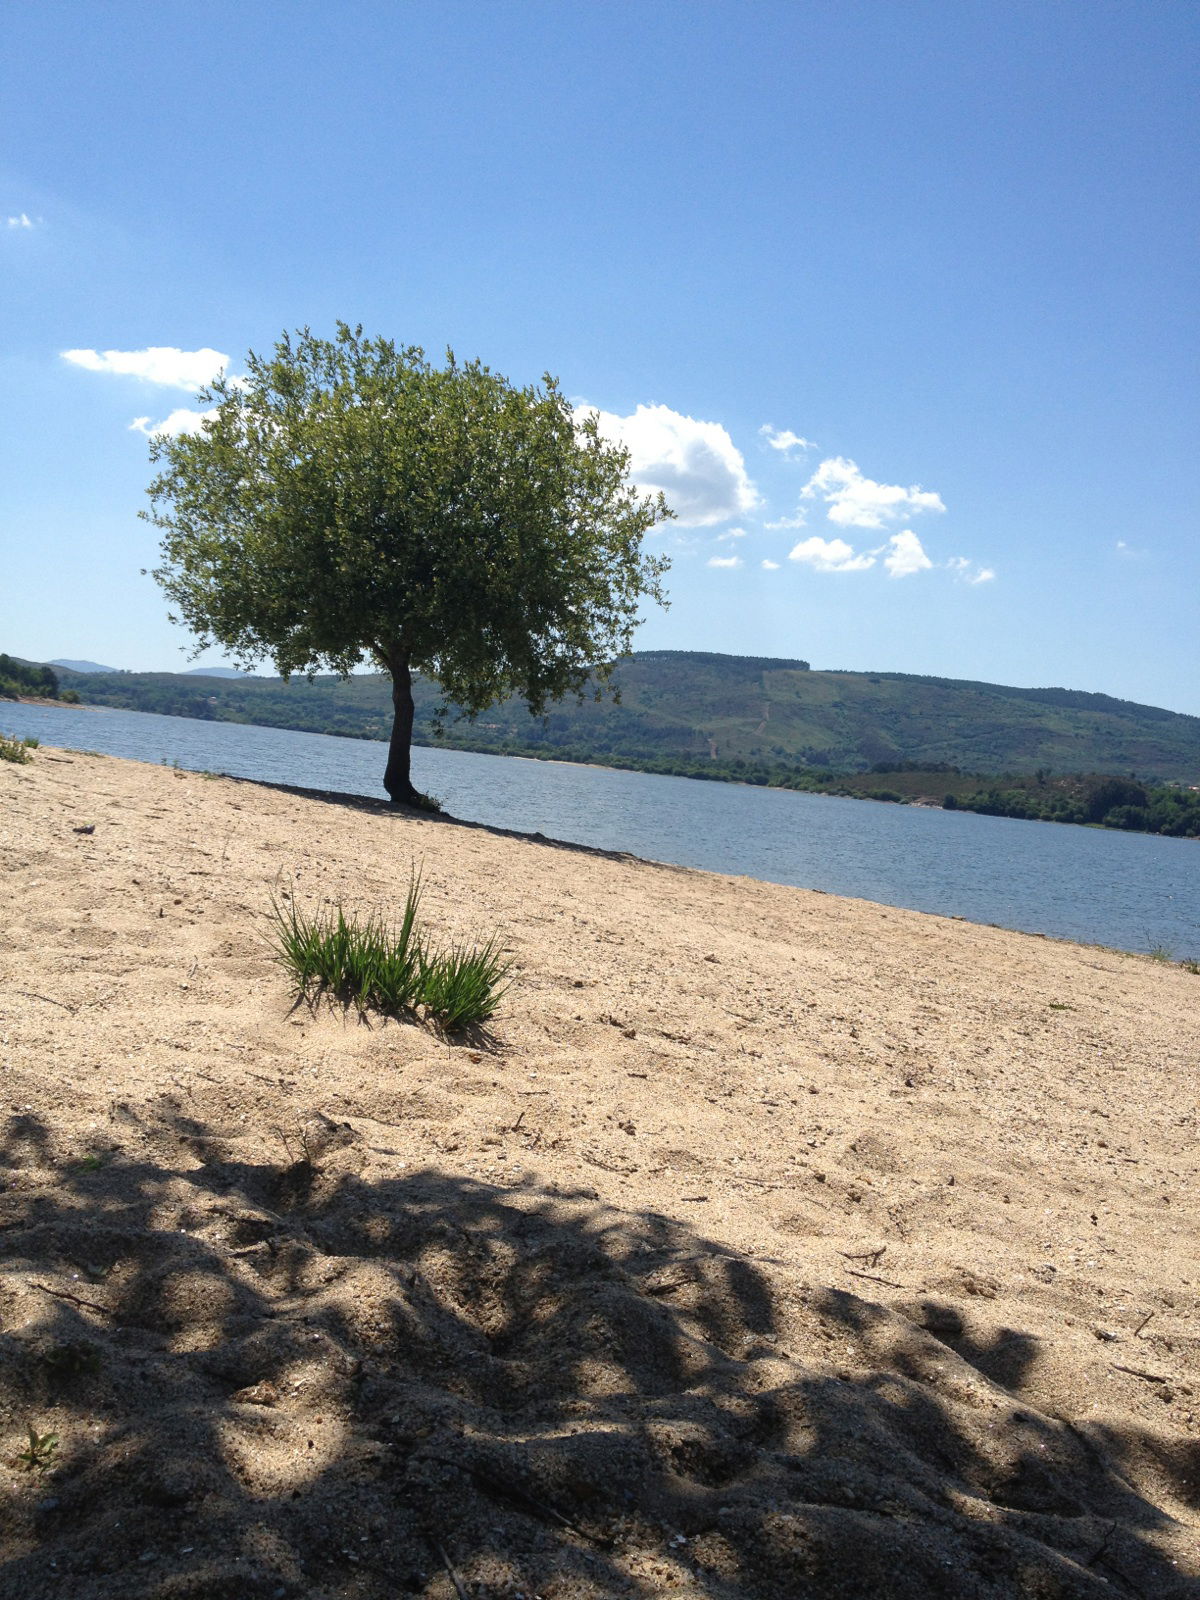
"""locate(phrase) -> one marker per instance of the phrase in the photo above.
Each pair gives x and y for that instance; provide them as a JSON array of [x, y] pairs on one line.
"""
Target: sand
[[770, 1245]]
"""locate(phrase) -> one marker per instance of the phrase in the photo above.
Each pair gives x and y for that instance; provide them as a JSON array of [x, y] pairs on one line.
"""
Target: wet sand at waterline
[[771, 1244]]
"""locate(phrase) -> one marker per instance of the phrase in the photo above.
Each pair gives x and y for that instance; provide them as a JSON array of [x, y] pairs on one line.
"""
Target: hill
[[726, 716], [82, 666]]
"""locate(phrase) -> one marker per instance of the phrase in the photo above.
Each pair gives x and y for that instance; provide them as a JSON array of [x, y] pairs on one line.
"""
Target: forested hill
[[687, 711]]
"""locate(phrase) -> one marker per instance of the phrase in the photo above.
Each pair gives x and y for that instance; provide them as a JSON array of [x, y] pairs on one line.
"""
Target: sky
[[896, 303]]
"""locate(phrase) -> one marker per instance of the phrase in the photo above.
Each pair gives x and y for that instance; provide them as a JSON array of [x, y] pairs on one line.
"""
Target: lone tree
[[348, 501]]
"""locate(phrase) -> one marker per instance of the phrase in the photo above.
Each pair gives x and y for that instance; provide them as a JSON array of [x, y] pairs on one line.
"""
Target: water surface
[[1132, 891]]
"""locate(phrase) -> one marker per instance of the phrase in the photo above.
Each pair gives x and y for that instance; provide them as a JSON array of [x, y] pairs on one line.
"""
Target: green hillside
[[725, 716]]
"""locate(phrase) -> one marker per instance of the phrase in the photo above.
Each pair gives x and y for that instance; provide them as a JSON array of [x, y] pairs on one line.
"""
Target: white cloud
[[731, 533], [800, 520], [831, 555], [22, 220], [695, 464], [905, 555], [967, 572], [177, 369], [856, 501], [724, 561], [770, 566], [784, 439], [181, 421], [1129, 552]]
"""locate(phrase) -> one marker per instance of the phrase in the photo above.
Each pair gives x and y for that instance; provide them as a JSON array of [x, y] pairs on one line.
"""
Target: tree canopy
[[347, 501]]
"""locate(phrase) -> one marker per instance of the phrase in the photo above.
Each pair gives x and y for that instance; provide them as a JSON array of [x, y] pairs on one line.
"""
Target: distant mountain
[[214, 672], [82, 666], [711, 715]]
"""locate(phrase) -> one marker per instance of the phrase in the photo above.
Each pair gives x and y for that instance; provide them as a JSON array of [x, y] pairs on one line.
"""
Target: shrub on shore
[[14, 748]]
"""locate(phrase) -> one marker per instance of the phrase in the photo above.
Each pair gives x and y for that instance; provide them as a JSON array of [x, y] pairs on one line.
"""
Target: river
[[1131, 891]]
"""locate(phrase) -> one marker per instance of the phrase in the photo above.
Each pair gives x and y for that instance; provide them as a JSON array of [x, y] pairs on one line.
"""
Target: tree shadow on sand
[[294, 1380]]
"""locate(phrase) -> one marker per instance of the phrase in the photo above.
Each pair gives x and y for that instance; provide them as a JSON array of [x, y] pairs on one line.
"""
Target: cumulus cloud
[[21, 220], [800, 520], [695, 464], [181, 421], [856, 501], [770, 566], [783, 439], [174, 368], [831, 555], [731, 533], [901, 555], [724, 561], [905, 555]]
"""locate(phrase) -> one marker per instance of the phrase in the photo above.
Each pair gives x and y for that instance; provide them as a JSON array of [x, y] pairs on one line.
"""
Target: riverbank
[[780, 1244]]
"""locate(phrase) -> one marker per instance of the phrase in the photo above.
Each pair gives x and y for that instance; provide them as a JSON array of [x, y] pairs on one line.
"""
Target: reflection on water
[[1131, 891]]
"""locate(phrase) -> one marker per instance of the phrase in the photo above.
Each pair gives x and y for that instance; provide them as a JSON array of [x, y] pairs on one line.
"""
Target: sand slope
[[774, 1245]]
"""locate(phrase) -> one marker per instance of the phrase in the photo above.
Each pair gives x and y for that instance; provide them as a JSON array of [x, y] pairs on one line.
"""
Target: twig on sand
[[453, 1576], [1143, 1322], [49, 999], [1136, 1372], [871, 1257], [61, 1294], [855, 1273], [522, 1496]]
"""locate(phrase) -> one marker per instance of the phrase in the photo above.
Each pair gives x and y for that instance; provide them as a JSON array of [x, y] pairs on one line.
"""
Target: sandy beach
[[770, 1245]]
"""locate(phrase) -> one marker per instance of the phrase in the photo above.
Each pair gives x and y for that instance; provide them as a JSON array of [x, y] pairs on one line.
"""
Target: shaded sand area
[[772, 1245]]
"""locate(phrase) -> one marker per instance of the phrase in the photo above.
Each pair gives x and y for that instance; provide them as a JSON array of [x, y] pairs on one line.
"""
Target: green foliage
[[349, 501], [39, 1452], [13, 748], [392, 968], [26, 677], [77, 1359], [362, 963], [1088, 798], [463, 986]]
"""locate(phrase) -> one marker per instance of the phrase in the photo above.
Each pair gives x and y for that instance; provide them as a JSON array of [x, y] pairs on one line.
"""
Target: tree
[[349, 501]]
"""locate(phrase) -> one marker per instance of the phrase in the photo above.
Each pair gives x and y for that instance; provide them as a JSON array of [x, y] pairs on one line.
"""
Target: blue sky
[[898, 302]]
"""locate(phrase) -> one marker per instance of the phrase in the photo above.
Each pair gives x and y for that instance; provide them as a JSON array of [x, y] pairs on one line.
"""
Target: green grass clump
[[16, 749], [39, 1452], [362, 963], [462, 987], [373, 964]]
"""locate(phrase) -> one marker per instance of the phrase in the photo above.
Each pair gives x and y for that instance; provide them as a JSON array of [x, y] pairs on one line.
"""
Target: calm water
[[1130, 891]]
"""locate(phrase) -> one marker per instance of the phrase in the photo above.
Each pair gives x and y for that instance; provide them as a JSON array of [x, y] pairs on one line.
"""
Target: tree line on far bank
[[1095, 798], [19, 678]]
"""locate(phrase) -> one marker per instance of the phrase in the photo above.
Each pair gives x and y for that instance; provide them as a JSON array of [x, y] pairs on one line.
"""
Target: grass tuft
[[361, 963], [38, 1454], [463, 987], [14, 748], [375, 965]]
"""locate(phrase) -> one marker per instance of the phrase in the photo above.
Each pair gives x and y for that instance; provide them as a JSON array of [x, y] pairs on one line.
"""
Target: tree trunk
[[396, 779]]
